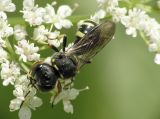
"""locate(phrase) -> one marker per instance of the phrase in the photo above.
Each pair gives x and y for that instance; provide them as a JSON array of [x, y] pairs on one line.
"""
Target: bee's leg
[[57, 91], [25, 98], [32, 83], [64, 42], [54, 48], [85, 61], [68, 85]]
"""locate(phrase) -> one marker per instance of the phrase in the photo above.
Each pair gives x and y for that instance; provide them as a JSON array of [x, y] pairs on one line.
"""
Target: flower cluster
[[67, 96], [135, 20], [35, 15], [9, 70], [43, 35], [19, 52], [17, 55], [27, 51], [25, 98]]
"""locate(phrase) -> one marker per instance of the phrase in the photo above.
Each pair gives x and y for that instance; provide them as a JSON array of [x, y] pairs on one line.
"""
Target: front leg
[[69, 84], [57, 90]]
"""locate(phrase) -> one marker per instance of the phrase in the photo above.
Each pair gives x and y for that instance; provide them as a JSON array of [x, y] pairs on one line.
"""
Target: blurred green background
[[124, 81]]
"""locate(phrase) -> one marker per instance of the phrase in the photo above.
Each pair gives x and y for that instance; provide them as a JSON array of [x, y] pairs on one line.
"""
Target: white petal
[[66, 23], [55, 42], [10, 8], [101, 1], [28, 4], [53, 35], [35, 102], [157, 59], [3, 15], [98, 15], [58, 25], [153, 47], [131, 31], [15, 104], [61, 96], [64, 11], [50, 10], [68, 106], [73, 93], [7, 81], [24, 113]]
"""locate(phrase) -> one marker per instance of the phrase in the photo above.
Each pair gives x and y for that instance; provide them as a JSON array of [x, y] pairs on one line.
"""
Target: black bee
[[90, 39]]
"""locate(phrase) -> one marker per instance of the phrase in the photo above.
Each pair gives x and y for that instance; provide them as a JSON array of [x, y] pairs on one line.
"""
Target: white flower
[[108, 4], [101, 1], [40, 34], [19, 32], [23, 81], [68, 107], [18, 92], [9, 72], [59, 19], [34, 17], [151, 28], [7, 5], [157, 59], [5, 29], [24, 113], [2, 43], [53, 39], [27, 51], [32, 14], [3, 15], [25, 100], [28, 4], [118, 13], [31, 102], [3, 55], [100, 14], [153, 47], [66, 96], [133, 21], [15, 104]]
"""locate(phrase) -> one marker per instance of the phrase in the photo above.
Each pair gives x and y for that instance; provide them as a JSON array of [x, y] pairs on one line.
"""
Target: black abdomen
[[45, 76], [85, 27]]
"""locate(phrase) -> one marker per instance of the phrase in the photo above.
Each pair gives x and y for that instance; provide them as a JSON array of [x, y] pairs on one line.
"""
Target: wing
[[92, 42]]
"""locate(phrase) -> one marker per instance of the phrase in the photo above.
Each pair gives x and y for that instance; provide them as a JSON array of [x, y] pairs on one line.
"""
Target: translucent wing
[[92, 42]]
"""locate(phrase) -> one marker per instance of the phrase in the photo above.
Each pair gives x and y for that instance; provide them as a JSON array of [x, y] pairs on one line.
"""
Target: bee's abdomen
[[84, 28]]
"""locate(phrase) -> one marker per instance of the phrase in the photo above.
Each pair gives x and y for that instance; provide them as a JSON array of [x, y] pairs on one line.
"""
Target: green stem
[[26, 69], [51, 27], [10, 49], [144, 38], [13, 56]]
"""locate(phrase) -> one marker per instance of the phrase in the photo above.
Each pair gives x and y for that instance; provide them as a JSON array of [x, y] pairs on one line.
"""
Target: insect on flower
[[64, 65]]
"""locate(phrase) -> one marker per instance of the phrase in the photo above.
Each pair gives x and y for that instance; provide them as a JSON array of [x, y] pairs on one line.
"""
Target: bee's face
[[45, 76]]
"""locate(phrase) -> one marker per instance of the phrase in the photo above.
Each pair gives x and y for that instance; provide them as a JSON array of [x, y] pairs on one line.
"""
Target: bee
[[65, 64]]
